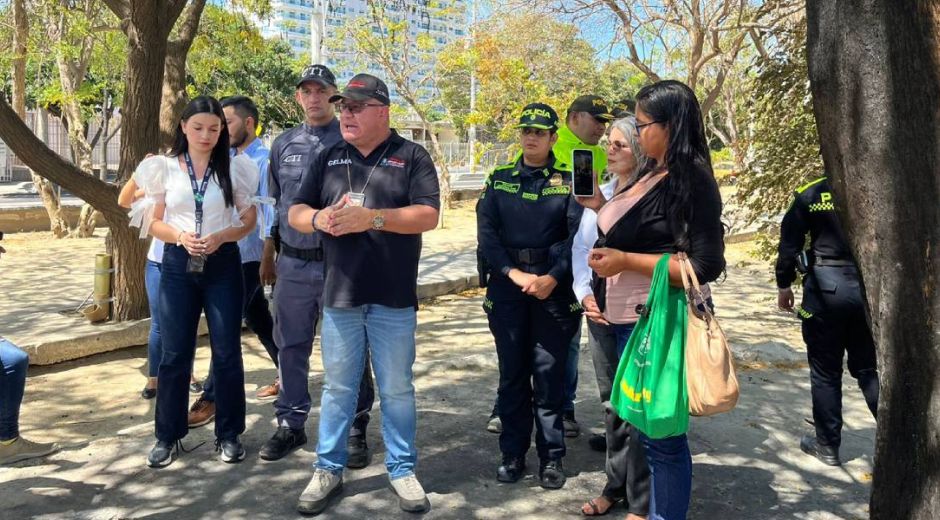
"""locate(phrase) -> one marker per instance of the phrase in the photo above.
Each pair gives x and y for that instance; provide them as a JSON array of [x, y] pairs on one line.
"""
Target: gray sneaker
[[22, 449], [322, 487], [494, 424], [411, 496]]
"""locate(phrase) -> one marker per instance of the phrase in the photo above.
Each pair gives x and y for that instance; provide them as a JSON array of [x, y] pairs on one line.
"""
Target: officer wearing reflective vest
[[832, 312], [526, 221]]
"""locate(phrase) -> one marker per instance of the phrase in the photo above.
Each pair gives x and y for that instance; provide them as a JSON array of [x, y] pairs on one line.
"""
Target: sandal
[[595, 508]]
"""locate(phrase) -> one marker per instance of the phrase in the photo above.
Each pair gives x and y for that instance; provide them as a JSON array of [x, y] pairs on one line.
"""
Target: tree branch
[[49, 165]]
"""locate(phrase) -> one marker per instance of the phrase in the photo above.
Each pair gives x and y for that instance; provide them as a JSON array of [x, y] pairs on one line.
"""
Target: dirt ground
[[747, 463]]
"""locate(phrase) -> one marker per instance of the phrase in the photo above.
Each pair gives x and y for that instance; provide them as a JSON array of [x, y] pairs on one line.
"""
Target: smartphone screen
[[583, 179]]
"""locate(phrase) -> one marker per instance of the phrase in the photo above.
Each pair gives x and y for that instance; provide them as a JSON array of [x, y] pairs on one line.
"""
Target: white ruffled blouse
[[164, 181]]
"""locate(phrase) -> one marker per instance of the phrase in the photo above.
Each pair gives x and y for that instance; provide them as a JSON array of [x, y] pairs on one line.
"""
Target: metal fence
[[51, 131]]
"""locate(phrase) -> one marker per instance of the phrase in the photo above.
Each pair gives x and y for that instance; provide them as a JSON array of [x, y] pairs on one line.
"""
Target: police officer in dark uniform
[[832, 312], [526, 222]]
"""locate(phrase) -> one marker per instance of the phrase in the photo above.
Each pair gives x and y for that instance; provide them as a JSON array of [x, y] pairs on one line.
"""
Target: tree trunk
[[174, 97], [58, 224], [20, 38], [128, 255], [87, 220], [50, 200], [875, 76]]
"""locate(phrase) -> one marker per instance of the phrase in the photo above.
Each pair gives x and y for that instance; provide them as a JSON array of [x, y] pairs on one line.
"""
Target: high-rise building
[[307, 24]]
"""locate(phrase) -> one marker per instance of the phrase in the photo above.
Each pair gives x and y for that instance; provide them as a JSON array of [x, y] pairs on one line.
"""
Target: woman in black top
[[680, 213]]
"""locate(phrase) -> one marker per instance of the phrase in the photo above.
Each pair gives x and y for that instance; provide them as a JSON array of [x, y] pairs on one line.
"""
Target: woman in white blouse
[[201, 270]]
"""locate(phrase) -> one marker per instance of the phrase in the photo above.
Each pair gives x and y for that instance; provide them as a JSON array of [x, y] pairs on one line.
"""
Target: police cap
[[538, 115], [594, 105]]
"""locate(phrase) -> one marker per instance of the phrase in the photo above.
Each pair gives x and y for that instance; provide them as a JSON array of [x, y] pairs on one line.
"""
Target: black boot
[[356, 446], [511, 469], [828, 455], [552, 474]]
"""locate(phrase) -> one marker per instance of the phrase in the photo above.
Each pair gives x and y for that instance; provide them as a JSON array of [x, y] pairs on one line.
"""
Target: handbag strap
[[690, 279]]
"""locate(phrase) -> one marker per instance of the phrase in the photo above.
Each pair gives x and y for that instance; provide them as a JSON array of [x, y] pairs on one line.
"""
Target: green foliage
[[617, 80], [784, 143], [517, 60], [230, 57]]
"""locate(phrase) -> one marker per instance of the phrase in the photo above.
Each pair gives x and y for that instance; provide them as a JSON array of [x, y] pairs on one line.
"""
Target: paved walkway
[[747, 463]]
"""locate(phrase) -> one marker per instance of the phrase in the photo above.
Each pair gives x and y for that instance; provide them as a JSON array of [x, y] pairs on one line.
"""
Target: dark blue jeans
[[257, 316], [13, 363], [671, 466], [154, 345], [183, 297]]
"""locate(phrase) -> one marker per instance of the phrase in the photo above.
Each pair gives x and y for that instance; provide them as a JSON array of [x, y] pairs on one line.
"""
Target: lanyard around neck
[[369, 178], [199, 190]]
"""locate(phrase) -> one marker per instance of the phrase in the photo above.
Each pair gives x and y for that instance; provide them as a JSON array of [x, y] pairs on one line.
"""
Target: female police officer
[[526, 220]]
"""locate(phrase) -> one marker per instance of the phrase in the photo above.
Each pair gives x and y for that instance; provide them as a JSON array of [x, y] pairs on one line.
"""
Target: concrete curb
[[120, 335]]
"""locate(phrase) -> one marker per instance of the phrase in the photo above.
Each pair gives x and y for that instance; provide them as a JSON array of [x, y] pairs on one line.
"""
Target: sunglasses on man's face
[[355, 108]]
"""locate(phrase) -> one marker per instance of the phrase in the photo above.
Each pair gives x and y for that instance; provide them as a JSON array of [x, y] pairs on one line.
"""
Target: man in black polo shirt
[[370, 196]]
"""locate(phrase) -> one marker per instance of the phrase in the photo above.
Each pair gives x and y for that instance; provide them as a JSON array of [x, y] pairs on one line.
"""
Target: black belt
[[315, 254], [529, 256], [833, 261]]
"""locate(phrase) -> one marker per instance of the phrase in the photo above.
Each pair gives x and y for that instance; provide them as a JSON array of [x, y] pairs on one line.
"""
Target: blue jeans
[[154, 346], [622, 332], [389, 335], [13, 363], [670, 463], [183, 297], [571, 370]]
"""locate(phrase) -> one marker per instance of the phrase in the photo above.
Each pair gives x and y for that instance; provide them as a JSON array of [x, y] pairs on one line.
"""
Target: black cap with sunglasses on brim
[[363, 87], [317, 73], [594, 105], [538, 115]]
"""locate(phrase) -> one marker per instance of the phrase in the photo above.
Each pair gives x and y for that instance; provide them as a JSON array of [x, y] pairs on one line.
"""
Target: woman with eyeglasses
[[526, 220], [675, 207], [610, 310], [201, 208]]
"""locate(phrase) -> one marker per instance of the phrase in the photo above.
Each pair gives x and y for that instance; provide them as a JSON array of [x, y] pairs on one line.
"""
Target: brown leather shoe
[[269, 391], [202, 412]]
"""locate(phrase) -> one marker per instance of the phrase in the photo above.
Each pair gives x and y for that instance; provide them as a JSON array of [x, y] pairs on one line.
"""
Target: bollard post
[[100, 309]]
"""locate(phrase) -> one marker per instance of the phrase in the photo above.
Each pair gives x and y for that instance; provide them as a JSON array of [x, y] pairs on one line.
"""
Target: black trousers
[[834, 324], [257, 316], [628, 474], [532, 338]]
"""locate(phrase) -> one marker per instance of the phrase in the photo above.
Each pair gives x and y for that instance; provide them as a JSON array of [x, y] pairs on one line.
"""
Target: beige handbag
[[709, 367]]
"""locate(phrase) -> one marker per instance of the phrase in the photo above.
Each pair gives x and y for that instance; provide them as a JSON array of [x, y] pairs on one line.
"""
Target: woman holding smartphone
[[677, 208], [202, 207]]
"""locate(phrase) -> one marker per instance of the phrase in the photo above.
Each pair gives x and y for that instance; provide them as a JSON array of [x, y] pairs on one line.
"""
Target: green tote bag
[[649, 389]]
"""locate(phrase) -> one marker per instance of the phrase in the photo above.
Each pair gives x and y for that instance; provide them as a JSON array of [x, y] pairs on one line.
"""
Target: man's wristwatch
[[378, 221]]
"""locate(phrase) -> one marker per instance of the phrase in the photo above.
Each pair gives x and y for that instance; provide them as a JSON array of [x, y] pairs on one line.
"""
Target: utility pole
[[472, 134]]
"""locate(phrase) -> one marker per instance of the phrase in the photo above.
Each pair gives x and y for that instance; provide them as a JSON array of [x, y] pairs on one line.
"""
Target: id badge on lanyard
[[356, 198], [197, 263]]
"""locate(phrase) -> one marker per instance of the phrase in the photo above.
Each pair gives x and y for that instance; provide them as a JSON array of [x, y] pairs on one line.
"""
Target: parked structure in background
[[314, 28]]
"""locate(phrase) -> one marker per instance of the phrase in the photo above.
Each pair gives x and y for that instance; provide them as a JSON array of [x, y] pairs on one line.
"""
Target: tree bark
[[147, 25], [875, 77], [174, 96]]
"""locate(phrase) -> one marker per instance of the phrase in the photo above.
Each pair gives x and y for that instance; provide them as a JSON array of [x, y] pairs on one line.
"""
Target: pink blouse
[[627, 289]]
